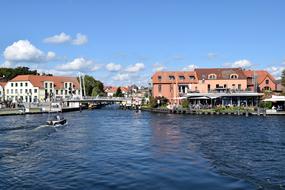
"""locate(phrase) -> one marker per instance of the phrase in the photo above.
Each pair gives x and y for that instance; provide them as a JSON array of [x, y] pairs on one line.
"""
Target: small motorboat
[[57, 121]]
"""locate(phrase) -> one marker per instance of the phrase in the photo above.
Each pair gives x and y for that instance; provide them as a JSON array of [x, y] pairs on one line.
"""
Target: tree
[[93, 87], [119, 93], [283, 78], [185, 103], [10, 73]]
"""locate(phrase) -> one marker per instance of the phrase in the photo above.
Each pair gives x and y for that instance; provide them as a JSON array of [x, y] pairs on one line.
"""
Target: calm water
[[116, 149]]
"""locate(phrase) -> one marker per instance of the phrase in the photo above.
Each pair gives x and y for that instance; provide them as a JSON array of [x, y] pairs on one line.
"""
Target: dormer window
[[212, 76], [192, 77], [233, 76], [171, 77], [159, 78], [181, 78]]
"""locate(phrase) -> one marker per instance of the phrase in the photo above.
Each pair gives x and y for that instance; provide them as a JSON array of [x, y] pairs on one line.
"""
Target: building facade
[[174, 85], [35, 88]]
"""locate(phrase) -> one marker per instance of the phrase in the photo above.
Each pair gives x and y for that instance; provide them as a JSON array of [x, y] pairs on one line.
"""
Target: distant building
[[111, 91], [35, 88]]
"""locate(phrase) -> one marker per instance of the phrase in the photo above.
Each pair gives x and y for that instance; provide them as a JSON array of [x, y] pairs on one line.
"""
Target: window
[[65, 85], [233, 76], [26, 84], [12, 84], [159, 78], [217, 86], [46, 85], [21, 84], [61, 92], [26, 90], [192, 77], [225, 86], [7, 91], [30, 90], [239, 86], [233, 85], [16, 84], [12, 91], [159, 88], [56, 91], [171, 77], [16, 90], [266, 88], [212, 76], [181, 78], [35, 90], [21, 91], [65, 92], [266, 81], [209, 87], [50, 85]]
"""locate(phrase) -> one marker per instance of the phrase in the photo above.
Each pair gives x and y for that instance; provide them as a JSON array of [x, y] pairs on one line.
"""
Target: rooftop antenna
[[80, 82]]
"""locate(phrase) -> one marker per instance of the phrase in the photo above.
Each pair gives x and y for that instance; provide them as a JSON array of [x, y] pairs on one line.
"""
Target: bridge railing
[[99, 98]]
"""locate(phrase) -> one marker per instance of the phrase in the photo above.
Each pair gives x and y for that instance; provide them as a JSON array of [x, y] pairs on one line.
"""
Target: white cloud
[[58, 39], [158, 67], [212, 55], [112, 67], [80, 39], [244, 63], [135, 68], [190, 67], [121, 77], [276, 71], [24, 51], [79, 64]]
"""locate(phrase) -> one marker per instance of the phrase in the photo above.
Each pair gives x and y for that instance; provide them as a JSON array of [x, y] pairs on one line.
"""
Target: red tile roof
[[261, 75], [165, 77], [38, 81], [221, 73]]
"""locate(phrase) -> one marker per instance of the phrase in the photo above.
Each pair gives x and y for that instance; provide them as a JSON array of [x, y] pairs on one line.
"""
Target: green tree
[[185, 103], [93, 87], [119, 93], [10, 73], [283, 78], [152, 102]]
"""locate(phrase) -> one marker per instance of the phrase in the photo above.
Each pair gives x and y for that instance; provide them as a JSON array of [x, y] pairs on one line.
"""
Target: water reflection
[[107, 149]]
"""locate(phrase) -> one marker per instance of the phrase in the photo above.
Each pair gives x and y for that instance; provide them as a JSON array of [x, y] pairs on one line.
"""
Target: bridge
[[90, 99]]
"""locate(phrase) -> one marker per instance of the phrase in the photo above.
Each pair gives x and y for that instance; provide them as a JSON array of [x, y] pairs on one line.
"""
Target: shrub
[[266, 105], [185, 103]]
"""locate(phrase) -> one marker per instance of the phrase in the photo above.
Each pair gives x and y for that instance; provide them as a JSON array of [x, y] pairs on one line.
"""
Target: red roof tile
[[38, 81], [260, 74]]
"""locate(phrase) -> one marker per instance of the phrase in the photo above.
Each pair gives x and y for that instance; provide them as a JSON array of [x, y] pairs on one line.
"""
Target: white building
[[35, 88]]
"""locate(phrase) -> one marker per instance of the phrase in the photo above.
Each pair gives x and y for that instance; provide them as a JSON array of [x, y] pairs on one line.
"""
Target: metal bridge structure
[[90, 99]]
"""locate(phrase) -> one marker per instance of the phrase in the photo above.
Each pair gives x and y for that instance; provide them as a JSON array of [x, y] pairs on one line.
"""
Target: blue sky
[[124, 41]]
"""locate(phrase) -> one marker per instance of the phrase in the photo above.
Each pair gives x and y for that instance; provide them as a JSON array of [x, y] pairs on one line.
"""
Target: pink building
[[176, 84]]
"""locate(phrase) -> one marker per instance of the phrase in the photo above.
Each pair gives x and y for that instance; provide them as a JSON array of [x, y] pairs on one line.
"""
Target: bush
[[185, 103], [266, 105]]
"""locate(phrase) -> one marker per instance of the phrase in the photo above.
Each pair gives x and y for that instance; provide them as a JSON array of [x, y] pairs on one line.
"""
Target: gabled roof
[[165, 77], [260, 74], [221, 73], [38, 81]]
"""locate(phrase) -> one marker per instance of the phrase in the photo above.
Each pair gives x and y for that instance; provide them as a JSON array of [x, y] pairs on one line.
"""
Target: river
[[118, 149]]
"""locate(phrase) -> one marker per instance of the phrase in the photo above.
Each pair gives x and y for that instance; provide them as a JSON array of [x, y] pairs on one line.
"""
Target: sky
[[122, 42]]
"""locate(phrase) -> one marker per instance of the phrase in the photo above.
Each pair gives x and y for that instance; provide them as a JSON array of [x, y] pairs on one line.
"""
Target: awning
[[199, 98], [275, 99]]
